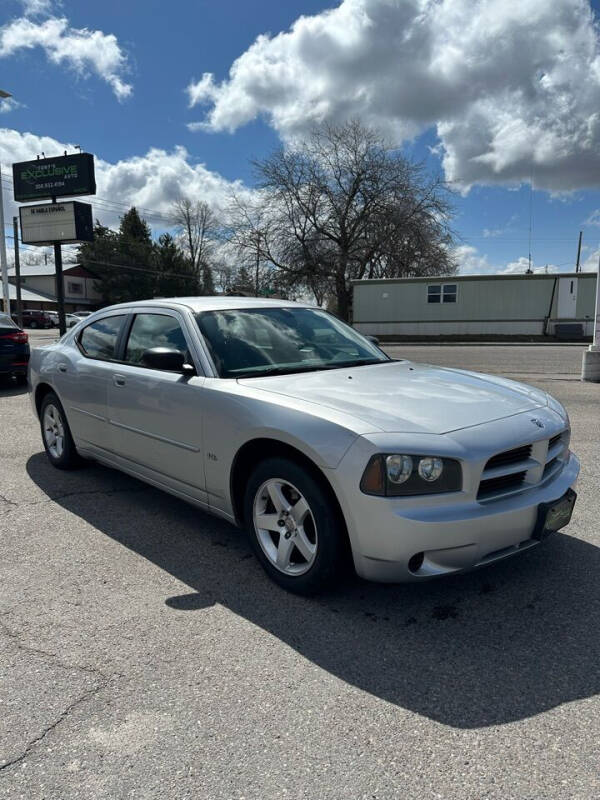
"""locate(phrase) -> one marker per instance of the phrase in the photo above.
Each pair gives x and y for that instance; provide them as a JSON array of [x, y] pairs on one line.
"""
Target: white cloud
[[590, 264], [471, 262], [79, 48], [33, 8], [594, 218], [512, 86], [521, 265], [150, 181], [8, 104]]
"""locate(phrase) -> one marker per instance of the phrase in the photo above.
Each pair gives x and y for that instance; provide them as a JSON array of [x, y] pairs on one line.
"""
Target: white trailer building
[[477, 305]]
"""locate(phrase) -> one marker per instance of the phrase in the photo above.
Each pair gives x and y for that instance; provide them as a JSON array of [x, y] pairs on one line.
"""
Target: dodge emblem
[[538, 422]]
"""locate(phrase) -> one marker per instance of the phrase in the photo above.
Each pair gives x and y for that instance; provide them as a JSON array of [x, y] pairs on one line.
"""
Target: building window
[[74, 288], [449, 293], [434, 294], [442, 293]]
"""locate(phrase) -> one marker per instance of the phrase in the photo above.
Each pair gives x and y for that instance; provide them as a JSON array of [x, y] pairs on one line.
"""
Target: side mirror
[[372, 339], [168, 360]]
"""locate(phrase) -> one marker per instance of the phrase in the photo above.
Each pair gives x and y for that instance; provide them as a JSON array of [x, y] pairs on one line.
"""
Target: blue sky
[[431, 76]]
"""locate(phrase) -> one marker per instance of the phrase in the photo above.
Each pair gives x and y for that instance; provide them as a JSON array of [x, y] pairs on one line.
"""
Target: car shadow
[[474, 650]]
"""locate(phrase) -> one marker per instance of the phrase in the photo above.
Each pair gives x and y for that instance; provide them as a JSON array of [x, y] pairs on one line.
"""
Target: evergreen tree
[[111, 253], [96, 255], [177, 277]]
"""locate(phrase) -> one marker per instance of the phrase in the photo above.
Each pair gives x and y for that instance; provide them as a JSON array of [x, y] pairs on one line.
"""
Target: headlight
[[397, 475]]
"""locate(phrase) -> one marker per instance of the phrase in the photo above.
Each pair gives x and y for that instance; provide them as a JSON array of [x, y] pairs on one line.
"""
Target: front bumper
[[387, 533]]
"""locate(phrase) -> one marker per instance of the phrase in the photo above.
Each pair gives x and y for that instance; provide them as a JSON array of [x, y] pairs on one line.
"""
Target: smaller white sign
[[48, 223]]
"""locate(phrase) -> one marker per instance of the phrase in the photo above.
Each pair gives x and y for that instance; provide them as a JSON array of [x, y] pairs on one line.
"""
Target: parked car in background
[[282, 419], [71, 320], [36, 319], [14, 349], [82, 314]]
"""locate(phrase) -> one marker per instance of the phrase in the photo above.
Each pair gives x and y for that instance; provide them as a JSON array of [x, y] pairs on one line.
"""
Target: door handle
[[118, 380], [62, 367]]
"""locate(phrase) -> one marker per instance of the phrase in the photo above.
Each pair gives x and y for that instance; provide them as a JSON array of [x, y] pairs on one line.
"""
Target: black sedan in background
[[14, 350]]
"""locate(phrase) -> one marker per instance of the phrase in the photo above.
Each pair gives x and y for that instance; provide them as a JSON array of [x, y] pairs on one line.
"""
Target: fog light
[[416, 562], [430, 469], [399, 468]]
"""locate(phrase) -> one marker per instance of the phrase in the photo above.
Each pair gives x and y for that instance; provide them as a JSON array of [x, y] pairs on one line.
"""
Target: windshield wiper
[[355, 363], [260, 373]]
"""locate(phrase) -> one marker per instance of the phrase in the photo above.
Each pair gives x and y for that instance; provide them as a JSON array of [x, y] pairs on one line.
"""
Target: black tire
[[330, 560], [68, 457]]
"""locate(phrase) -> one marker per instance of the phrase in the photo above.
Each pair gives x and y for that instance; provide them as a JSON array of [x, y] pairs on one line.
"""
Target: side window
[[153, 330], [99, 339]]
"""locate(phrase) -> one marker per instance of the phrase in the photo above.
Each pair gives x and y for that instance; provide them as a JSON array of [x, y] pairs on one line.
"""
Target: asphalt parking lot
[[144, 654]]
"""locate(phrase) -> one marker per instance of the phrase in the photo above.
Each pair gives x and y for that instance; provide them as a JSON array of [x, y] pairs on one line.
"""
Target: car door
[[82, 373], [155, 415]]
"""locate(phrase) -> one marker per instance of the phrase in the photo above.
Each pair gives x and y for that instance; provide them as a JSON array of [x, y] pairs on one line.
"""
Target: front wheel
[[294, 528], [56, 434]]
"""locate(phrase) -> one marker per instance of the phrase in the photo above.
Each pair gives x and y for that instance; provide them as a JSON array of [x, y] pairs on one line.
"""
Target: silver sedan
[[285, 421]]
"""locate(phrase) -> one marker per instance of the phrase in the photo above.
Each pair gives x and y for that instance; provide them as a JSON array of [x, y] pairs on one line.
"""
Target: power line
[[140, 269]]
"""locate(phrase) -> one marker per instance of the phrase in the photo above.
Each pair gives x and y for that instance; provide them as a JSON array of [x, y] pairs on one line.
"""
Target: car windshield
[[253, 342]]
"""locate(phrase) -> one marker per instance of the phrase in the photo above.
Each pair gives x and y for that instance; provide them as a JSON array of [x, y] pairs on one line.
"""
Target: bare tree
[[198, 227], [342, 206]]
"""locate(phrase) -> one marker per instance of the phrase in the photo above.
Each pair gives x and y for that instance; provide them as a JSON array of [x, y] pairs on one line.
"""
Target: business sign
[[67, 223], [63, 176]]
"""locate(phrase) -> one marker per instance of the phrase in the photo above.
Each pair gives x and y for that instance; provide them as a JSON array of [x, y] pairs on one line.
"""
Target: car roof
[[211, 303]]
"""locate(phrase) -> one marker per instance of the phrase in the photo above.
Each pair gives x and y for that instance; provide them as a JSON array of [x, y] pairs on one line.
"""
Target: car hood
[[401, 396]]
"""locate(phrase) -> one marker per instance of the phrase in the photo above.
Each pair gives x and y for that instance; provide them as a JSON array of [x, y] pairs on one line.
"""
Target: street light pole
[[590, 367], [3, 263]]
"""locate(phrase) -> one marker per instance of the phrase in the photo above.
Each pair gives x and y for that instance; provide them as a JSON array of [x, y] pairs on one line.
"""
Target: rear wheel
[[56, 434], [294, 527]]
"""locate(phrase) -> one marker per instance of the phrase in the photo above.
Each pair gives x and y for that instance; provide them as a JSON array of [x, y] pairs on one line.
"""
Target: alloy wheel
[[285, 527], [54, 431]]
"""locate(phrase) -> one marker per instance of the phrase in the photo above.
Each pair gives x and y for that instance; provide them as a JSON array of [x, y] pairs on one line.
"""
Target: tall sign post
[[56, 223], [590, 367], [18, 272]]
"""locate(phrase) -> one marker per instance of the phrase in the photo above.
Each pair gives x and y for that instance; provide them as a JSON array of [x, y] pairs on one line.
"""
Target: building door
[[567, 298]]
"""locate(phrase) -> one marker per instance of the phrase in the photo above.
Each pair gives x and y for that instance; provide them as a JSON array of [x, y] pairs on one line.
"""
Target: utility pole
[[590, 366], [577, 267], [3, 263], [18, 272]]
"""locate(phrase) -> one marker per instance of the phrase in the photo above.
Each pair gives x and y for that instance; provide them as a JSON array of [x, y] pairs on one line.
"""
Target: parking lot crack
[[101, 681], [5, 499], [41, 736]]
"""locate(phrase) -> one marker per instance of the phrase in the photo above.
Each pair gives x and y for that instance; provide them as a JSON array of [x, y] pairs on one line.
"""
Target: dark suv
[[37, 319], [14, 349]]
